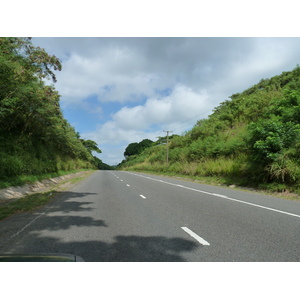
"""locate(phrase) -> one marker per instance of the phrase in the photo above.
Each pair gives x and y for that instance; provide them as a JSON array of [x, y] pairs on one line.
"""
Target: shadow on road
[[124, 249], [61, 215], [61, 202], [157, 248], [65, 222]]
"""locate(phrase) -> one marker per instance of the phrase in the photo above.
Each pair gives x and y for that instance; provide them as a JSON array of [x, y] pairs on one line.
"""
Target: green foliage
[[23, 60], [34, 136], [91, 146], [268, 138], [27, 203], [132, 149], [146, 143], [137, 148], [274, 139], [252, 139], [100, 165]]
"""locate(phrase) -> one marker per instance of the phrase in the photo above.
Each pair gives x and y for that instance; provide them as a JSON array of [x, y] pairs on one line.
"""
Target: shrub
[[268, 138]]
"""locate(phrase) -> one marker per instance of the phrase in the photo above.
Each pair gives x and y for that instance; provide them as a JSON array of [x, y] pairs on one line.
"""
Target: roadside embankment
[[61, 182]]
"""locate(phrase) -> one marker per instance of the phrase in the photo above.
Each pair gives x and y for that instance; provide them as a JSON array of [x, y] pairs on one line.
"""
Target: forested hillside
[[252, 139], [35, 138]]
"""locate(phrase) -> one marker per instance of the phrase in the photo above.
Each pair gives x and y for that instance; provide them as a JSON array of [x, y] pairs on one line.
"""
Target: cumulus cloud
[[181, 104], [112, 75], [132, 69], [160, 82], [133, 124]]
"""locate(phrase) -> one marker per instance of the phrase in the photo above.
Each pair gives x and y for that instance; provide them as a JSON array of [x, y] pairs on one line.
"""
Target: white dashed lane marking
[[195, 236], [220, 196]]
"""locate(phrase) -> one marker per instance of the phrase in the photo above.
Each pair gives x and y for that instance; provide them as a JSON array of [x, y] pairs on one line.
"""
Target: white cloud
[[199, 73], [132, 69], [113, 76], [113, 140], [181, 104], [133, 124]]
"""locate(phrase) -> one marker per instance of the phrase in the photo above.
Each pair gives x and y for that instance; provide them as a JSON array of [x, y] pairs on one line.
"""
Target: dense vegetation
[[35, 138], [251, 139], [137, 148]]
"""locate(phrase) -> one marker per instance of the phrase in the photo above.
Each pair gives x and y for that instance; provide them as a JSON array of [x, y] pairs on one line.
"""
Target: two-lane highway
[[127, 216]]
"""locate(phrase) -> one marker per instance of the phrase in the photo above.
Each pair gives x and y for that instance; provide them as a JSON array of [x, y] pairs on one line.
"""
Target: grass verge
[[23, 179], [24, 204], [37, 200], [240, 183]]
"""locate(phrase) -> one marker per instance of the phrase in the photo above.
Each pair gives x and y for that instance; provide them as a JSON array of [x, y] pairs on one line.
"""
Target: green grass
[[23, 179], [34, 201], [27, 203], [77, 179], [221, 171]]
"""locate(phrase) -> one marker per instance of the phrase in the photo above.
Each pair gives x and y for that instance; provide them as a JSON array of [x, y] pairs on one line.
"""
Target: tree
[[146, 143], [137, 148], [101, 165], [34, 136], [23, 95], [24, 59], [132, 149], [91, 146]]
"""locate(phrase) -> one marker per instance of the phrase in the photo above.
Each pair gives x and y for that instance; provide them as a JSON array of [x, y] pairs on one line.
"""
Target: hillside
[[35, 139], [251, 139]]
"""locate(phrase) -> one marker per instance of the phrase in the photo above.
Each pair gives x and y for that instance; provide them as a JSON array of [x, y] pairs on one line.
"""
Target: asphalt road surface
[[126, 216]]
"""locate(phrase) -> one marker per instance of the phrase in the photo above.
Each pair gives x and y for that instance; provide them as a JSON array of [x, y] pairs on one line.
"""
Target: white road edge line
[[196, 236], [22, 229], [222, 196], [143, 196]]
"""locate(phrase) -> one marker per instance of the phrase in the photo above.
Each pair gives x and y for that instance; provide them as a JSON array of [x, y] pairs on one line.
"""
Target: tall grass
[[232, 169], [18, 168], [285, 170]]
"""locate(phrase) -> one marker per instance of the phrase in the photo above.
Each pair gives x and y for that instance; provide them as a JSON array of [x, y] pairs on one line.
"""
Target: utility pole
[[167, 158]]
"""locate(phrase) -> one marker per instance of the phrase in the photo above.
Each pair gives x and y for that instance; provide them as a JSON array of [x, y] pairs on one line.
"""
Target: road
[[127, 216]]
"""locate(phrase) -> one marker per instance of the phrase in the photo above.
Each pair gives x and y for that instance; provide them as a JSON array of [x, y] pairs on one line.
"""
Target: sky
[[116, 91]]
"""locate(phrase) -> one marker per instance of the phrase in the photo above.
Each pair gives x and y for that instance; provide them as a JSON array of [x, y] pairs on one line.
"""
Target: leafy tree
[[24, 59], [34, 136], [91, 146], [101, 165], [146, 143], [137, 148], [131, 149]]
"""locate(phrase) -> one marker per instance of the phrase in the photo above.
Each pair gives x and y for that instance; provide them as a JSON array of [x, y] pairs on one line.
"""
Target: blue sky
[[116, 91]]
